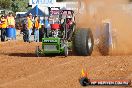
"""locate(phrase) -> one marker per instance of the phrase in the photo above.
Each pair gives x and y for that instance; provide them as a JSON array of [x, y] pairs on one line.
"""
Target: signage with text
[[31, 2]]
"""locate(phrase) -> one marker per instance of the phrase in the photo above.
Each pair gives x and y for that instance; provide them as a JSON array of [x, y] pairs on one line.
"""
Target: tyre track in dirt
[[38, 73], [39, 80]]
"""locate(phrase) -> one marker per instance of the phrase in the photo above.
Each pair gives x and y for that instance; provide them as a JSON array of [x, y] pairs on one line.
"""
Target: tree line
[[16, 5]]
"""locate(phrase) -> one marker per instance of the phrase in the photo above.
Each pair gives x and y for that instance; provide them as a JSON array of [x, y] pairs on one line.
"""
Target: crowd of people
[[6, 21], [30, 25], [34, 25]]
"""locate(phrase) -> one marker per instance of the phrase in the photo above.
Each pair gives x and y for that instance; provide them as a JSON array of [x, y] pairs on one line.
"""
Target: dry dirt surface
[[20, 68]]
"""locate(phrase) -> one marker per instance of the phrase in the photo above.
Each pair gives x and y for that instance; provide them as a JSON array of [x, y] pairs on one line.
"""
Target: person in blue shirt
[[47, 26], [41, 31]]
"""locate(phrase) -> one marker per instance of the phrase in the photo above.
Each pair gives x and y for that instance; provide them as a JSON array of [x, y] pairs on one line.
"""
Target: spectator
[[47, 26], [0, 24], [3, 27], [41, 29], [29, 26], [25, 30], [11, 24], [37, 26], [10, 21], [41, 32]]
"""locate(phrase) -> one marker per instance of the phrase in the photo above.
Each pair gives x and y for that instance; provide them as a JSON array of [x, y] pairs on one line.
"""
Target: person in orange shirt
[[10, 21], [3, 27], [36, 26]]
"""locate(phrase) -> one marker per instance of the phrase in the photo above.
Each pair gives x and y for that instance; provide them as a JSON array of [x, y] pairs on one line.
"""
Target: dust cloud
[[92, 13]]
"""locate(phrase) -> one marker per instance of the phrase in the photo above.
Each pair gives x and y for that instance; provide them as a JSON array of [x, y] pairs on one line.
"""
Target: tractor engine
[[55, 33], [55, 30]]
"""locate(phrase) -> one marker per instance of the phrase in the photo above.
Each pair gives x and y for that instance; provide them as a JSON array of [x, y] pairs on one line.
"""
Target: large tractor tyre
[[106, 42], [83, 42], [104, 45]]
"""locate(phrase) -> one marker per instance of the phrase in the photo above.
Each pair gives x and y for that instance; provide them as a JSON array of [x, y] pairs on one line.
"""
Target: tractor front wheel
[[37, 51], [66, 51]]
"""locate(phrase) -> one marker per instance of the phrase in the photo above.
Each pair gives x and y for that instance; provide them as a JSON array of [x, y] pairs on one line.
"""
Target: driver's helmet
[[68, 18]]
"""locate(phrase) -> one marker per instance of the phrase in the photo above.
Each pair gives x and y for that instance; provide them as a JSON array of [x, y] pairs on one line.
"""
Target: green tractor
[[64, 37]]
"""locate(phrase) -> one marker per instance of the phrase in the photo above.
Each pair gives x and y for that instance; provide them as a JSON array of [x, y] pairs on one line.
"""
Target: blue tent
[[36, 11]]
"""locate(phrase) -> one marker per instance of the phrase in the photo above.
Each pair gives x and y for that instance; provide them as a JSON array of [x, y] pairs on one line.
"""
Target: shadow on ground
[[22, 54], [34, 55]]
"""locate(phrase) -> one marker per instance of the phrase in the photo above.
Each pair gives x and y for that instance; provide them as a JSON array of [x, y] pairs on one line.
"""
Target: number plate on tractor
[[50, 47]]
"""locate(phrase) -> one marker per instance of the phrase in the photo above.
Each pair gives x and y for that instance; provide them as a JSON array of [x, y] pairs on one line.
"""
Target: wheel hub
[[89, 43]]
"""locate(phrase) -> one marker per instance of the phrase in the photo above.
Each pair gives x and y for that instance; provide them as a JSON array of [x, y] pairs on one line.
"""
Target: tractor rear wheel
[[83, 42], [105, 40]]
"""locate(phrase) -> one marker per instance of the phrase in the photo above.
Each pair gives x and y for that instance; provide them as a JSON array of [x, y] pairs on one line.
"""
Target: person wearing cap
[[10, 21], [29, 26], [69, 21], [24, 30], [3, 27], [36, 26], [47, 26], [41, 30], [69, 25]]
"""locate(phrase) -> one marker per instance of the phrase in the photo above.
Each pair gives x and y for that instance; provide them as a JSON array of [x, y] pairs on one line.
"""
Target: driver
[[69, 21]]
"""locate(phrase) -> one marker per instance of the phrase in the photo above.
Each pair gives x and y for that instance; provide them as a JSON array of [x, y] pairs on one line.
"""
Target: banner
[[31, 2]]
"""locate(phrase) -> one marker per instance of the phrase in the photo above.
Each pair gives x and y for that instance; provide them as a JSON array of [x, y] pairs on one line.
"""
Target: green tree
[[19, 5], [5, 4], [15, 5]]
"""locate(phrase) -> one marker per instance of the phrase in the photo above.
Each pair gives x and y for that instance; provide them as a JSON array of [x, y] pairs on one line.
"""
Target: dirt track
[[21, 69]]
